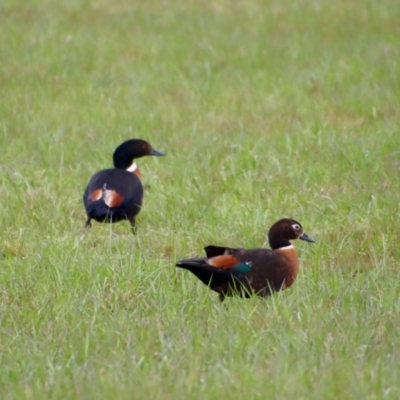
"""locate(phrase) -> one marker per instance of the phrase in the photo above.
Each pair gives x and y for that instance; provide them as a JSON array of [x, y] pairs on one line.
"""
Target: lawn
[[266, 109]]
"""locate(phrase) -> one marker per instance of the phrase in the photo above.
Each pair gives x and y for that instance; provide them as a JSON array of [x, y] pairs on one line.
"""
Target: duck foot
[[133, 226]]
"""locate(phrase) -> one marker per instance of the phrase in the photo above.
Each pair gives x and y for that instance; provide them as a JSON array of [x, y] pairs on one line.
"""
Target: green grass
[[266, 109]]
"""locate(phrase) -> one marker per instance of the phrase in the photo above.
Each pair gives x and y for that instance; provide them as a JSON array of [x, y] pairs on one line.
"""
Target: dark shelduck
[[116, 194], [254, 271]]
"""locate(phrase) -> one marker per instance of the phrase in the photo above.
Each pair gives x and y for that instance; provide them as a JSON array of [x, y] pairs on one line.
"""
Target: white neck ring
[[132, 168], [290, 247]]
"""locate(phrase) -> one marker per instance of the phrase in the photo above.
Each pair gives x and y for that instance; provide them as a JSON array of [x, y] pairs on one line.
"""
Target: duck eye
[[296, 227]]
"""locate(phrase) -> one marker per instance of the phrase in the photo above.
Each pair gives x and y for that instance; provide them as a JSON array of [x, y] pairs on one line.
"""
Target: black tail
[[100, 212], [97, 209]]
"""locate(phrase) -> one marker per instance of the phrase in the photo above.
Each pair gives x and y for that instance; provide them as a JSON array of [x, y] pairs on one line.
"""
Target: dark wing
[[213, 251]]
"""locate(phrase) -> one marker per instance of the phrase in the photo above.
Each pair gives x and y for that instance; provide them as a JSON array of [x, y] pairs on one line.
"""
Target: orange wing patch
[[96, 195], [225, 261], [112, 198]]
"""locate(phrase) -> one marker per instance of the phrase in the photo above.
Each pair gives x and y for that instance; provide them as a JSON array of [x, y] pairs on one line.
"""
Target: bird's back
[[114, 192]]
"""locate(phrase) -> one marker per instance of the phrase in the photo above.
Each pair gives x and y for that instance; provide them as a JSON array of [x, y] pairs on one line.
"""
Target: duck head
[[128, 151], [284, 230]]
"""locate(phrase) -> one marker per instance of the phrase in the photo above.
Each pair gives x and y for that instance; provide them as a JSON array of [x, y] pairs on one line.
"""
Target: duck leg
[[88, 224], [133, 225]]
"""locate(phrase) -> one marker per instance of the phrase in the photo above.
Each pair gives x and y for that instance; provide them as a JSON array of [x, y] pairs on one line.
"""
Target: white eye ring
[[296, 227]]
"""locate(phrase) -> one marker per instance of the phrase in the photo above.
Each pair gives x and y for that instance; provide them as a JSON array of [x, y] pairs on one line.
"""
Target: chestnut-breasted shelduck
[[116, 194], [245, 272]]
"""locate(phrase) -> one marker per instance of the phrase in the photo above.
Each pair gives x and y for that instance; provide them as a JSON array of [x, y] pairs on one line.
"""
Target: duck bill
[[154, 152], [307, 238]]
